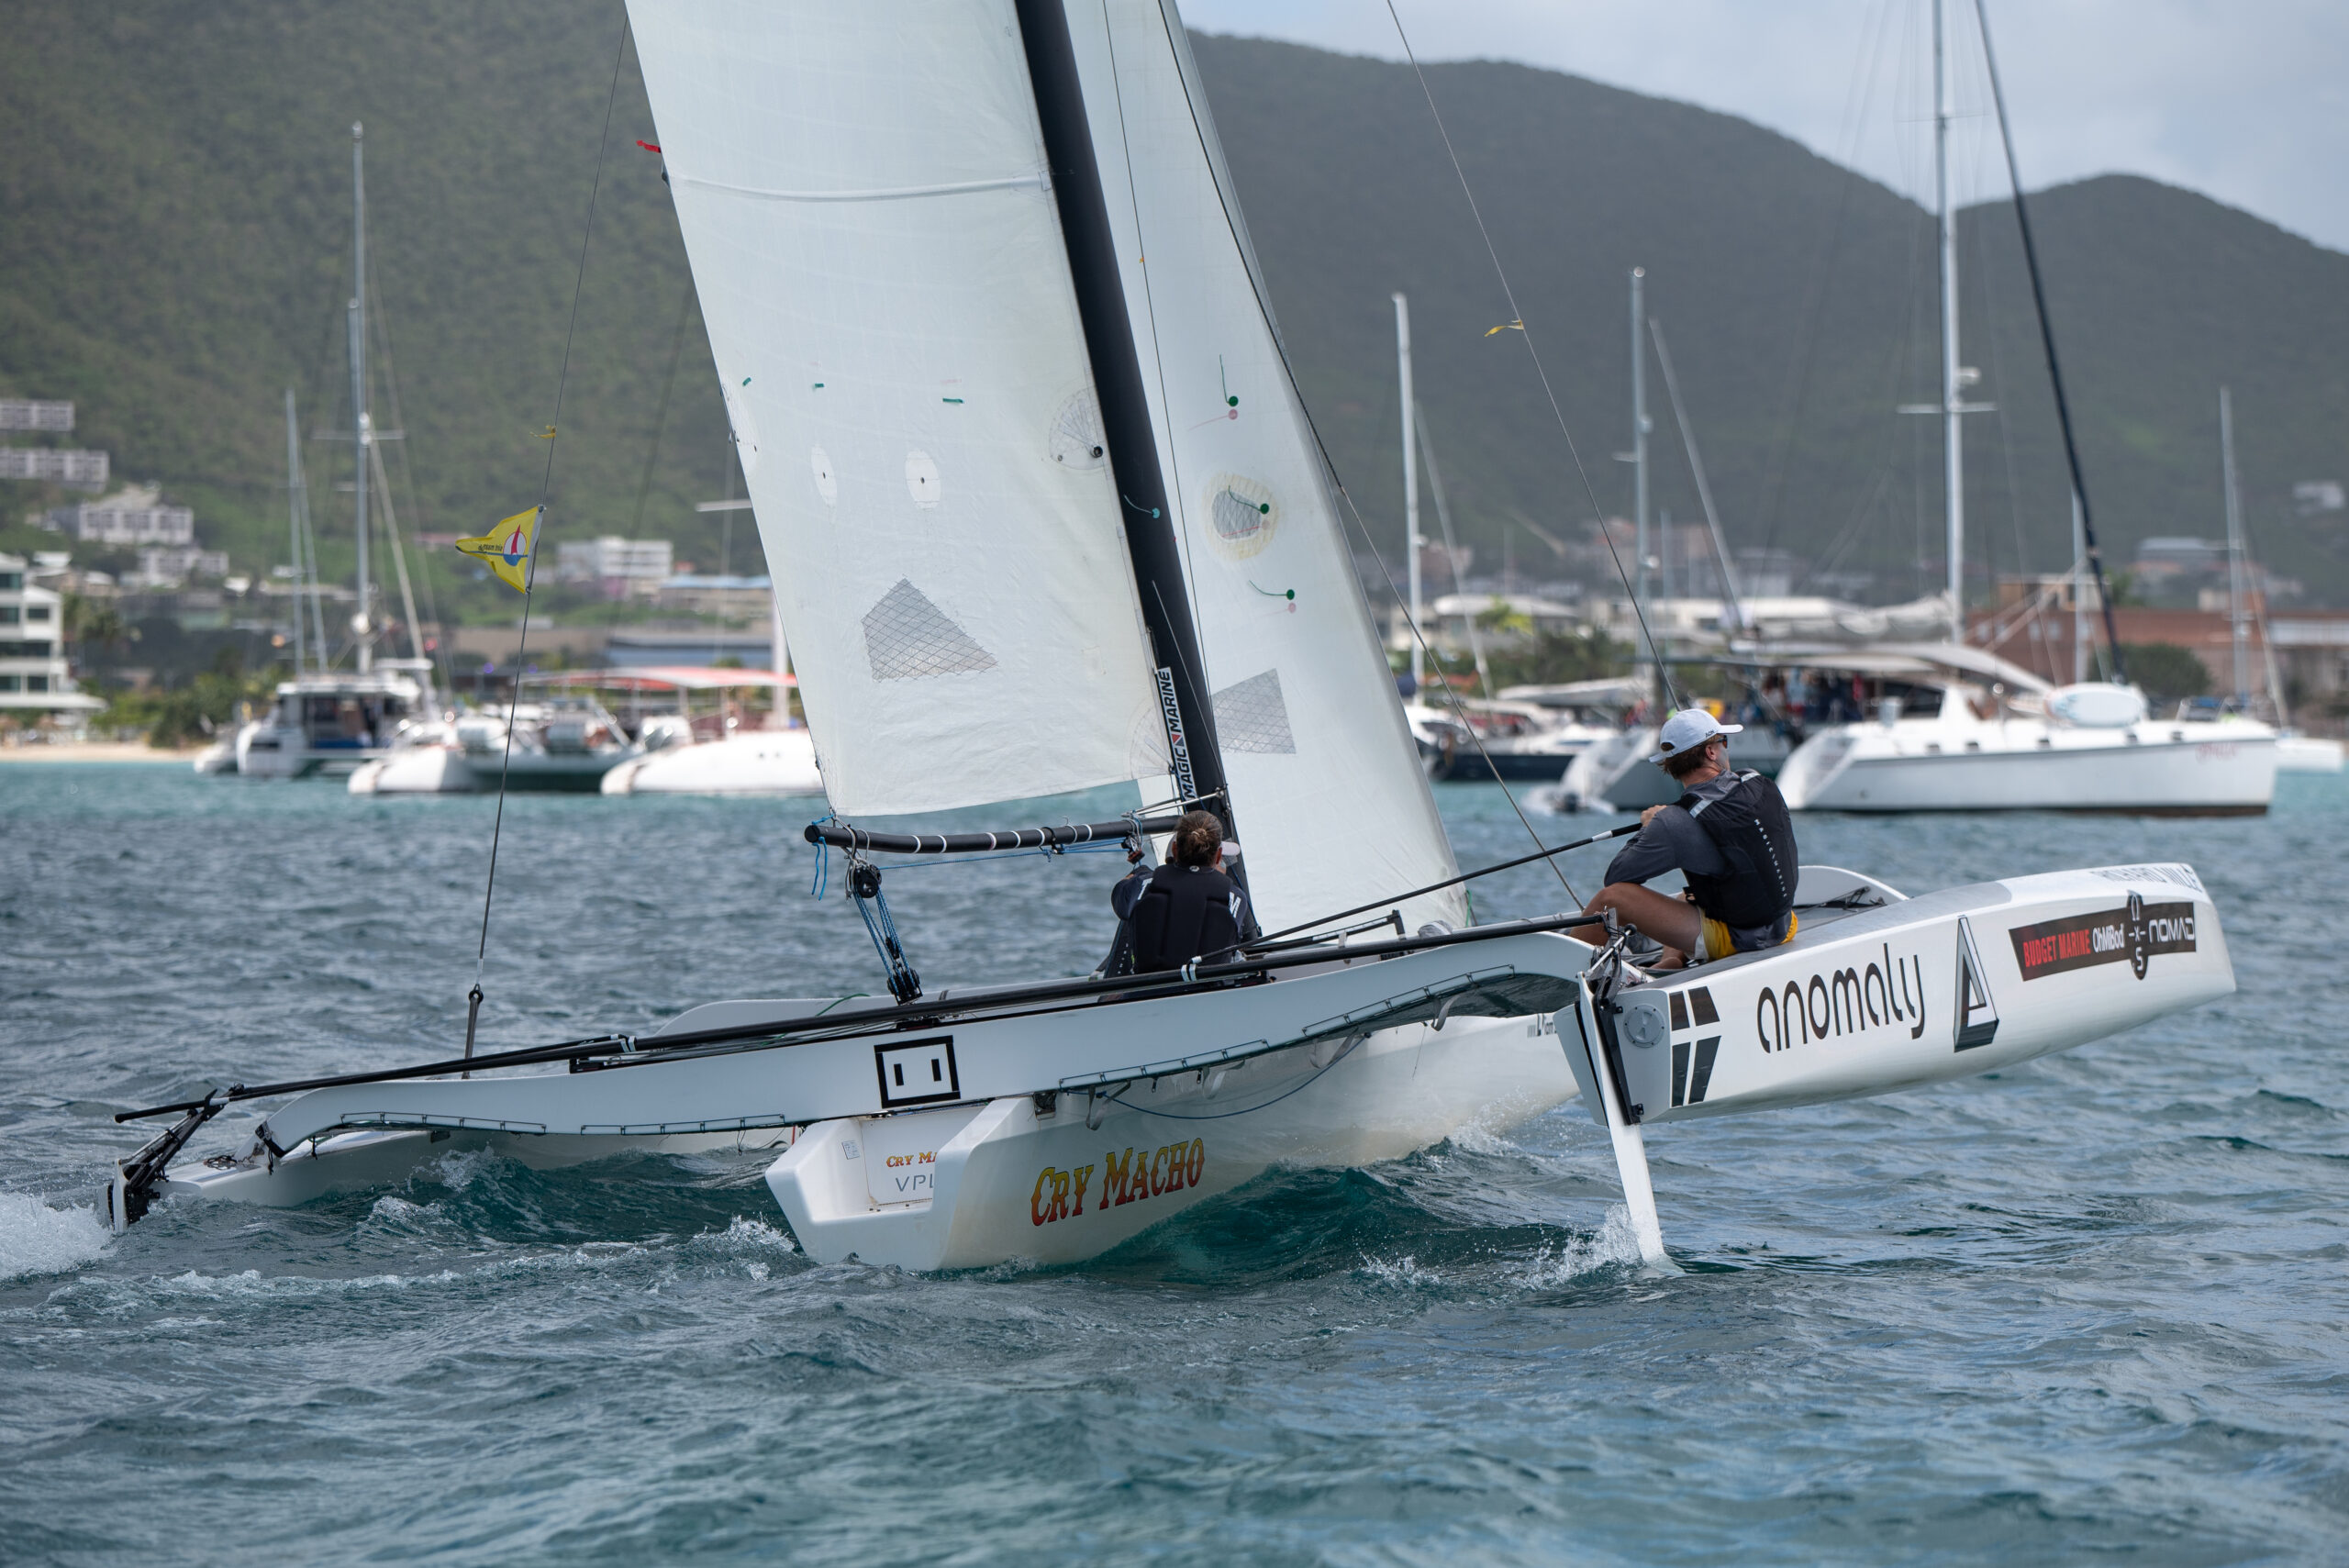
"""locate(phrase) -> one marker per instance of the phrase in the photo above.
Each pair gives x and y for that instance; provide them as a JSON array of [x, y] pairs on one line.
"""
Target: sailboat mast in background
[[359, 625], [1952, 429], [1410, 479], [2237, 602], [1640, 427], [293, 527]]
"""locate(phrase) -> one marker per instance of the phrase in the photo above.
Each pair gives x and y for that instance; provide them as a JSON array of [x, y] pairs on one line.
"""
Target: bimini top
[[668, 678]]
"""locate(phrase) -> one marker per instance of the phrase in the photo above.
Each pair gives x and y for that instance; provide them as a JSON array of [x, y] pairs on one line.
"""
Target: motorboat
[[748, 762], [569, 741], [1516, 740], [735, 749], [1013, 565], [1993, 737]]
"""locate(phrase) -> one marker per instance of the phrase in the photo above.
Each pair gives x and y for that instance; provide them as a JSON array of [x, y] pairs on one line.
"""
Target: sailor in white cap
[[1728, 834]]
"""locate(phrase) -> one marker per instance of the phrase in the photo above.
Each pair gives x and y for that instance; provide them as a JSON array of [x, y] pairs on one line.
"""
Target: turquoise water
[[2090, 1309]]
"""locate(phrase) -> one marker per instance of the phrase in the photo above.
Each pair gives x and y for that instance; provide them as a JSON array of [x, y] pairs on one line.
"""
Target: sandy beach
[[94, 752]]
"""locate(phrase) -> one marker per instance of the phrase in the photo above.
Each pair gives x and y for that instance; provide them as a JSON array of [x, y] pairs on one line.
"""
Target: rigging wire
[[1517, 320], [1329, 463], [538, 532]]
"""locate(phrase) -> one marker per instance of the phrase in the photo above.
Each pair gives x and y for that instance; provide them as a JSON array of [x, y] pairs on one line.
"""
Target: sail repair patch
[[907, 637]]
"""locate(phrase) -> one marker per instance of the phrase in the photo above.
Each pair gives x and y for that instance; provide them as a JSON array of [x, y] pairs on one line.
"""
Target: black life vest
[[1186, 913], [1749, 823]]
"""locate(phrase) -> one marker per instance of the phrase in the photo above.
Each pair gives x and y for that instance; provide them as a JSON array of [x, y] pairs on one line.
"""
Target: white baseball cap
[[1686, 730]]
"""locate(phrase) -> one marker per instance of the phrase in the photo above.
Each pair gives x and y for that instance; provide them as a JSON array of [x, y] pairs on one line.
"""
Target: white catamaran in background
[[2010, 745], [1026, 453]]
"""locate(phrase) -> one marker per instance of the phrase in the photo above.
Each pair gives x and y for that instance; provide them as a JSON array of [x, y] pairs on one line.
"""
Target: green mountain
[[1799, 301], [175, 252]]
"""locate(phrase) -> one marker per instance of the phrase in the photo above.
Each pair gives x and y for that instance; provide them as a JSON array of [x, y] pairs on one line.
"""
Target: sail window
[[907, 637], [1251, 716], [921, 478], [828, 484], [1243, 514]]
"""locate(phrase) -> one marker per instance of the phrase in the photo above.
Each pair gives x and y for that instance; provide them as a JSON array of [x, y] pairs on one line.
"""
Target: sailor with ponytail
[[1190, 911]]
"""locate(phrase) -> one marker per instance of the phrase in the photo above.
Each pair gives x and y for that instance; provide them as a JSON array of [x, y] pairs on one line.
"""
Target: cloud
[[2245, 104]]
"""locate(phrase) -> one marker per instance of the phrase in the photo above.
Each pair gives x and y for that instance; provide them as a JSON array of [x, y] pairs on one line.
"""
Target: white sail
[[865, 204], [1330, 802]]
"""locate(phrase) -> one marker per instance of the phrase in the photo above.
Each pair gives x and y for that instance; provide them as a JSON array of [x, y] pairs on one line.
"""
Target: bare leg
[[1672, 921]]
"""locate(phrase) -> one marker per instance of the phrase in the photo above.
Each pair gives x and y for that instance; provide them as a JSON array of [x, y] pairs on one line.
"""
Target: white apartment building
[[34, 676], [167, 566], [66, 465], [133, 515], [621, 565]]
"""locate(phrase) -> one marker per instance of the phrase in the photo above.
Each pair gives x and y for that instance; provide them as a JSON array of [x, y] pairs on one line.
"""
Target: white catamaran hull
[[2190, 768], [759, 761], [1069, 1177], [416, 770], [937, 1136]]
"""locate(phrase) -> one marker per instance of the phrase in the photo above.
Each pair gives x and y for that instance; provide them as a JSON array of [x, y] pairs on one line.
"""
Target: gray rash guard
[[1673, 840]]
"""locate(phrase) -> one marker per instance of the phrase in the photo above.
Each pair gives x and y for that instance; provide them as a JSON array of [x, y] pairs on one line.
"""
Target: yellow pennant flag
[[506, 548]]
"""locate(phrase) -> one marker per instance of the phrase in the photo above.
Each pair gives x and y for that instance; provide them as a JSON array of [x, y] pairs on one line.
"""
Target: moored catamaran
[[1029, 459]]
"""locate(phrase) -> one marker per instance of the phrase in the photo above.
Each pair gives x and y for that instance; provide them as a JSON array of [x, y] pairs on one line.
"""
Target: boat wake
[[37, 1239]]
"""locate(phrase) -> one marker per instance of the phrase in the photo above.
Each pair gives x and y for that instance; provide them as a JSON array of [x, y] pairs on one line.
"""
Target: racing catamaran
[[1029, 460]]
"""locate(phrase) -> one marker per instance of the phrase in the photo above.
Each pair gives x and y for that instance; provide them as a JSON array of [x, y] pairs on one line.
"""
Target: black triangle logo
[[1978, 1014]]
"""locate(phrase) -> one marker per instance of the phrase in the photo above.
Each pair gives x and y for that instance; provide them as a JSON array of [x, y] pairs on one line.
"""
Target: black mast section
[[1125, 407], [2047, 339]]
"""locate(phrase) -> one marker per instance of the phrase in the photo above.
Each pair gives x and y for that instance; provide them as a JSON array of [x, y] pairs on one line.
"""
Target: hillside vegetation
[[175, 252]]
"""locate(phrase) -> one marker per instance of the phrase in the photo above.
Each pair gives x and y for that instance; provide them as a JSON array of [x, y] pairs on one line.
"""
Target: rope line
[[546, 487], [1517, 320]]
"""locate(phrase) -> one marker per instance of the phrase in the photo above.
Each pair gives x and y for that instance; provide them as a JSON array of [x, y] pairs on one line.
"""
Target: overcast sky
[[2246, 101]]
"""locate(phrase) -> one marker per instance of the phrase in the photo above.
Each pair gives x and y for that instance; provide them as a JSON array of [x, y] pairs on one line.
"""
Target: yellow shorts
[[1716, 943]]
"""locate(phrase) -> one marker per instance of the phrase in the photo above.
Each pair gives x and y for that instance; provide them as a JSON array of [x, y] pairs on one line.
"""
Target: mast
[[1953, 437], [358, 421], [2236, 598], [294, 523], [1132, 445], [2086, 524], [1410, 479]]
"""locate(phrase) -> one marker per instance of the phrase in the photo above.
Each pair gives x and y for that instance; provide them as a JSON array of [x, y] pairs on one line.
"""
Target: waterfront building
[[35, 679]]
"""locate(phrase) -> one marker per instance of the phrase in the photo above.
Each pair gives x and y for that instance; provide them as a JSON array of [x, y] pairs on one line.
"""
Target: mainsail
[[891, 300], [866, 208]]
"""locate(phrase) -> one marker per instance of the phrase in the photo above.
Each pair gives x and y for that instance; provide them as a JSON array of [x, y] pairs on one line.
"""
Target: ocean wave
[[37, 1239]]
